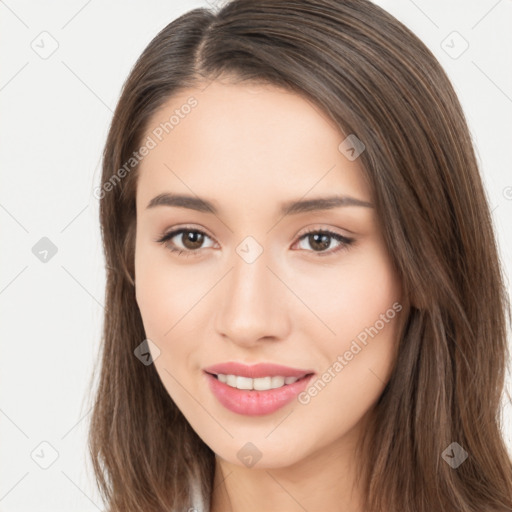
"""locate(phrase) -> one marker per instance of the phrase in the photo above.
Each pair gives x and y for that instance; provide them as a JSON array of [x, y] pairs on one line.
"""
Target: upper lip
[[257, 370]]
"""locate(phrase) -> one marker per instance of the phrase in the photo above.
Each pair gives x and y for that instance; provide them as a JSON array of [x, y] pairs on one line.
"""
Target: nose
[[254, 303]]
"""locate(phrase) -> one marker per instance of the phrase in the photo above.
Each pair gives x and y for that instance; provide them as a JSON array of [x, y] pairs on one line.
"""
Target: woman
[[305, 305]]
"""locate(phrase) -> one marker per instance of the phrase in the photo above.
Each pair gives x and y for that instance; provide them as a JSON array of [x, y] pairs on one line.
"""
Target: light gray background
[[55, 113]]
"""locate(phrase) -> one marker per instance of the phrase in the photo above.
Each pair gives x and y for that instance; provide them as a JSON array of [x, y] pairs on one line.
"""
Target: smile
[[259, 384], [256, 389]]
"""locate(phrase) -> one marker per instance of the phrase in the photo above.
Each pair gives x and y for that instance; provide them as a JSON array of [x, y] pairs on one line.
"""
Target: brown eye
[[187, 241], [192, 239], [320, 241]]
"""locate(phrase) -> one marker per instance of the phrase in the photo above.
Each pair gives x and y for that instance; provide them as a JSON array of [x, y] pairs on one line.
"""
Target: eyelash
[[345, 242]]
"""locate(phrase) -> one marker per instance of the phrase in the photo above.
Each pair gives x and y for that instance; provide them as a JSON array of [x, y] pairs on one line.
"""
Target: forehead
[[251, 141]]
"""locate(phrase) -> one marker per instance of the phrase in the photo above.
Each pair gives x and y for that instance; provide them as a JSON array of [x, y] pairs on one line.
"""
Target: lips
[[256, 402], [257, 370]]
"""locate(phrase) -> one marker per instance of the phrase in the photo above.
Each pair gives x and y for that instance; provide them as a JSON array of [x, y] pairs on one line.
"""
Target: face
[[243, 281]]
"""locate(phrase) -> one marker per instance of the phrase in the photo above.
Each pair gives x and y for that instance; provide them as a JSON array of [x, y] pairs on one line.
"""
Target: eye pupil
[[321, 239], [194, 238]]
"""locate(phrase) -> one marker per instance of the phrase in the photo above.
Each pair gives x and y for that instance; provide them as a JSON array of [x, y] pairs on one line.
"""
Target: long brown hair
[[377, 80]]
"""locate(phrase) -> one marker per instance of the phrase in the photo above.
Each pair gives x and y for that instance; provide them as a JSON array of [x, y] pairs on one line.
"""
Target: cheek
[[358, 359], [362, 305], [153, 298], [352, 296], [163, 296], [171, 301], [163, 300]]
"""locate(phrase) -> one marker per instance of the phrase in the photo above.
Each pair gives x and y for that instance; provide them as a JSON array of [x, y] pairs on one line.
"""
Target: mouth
[[256, 390]]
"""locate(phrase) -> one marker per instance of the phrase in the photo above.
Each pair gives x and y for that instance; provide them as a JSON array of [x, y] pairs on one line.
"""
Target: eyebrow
[[287, 208]]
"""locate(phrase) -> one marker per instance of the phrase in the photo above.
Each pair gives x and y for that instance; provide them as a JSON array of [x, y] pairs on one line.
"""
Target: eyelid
[[313, 228], [188, 227]]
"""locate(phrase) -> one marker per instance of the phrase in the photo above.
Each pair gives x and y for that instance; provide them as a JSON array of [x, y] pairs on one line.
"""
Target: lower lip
[[252, 402]]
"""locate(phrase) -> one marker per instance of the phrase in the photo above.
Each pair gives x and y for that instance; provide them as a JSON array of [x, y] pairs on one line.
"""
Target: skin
[[247, 148]]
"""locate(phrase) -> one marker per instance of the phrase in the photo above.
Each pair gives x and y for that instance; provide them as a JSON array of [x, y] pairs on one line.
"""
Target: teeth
[[242, 382], [259, 384]]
